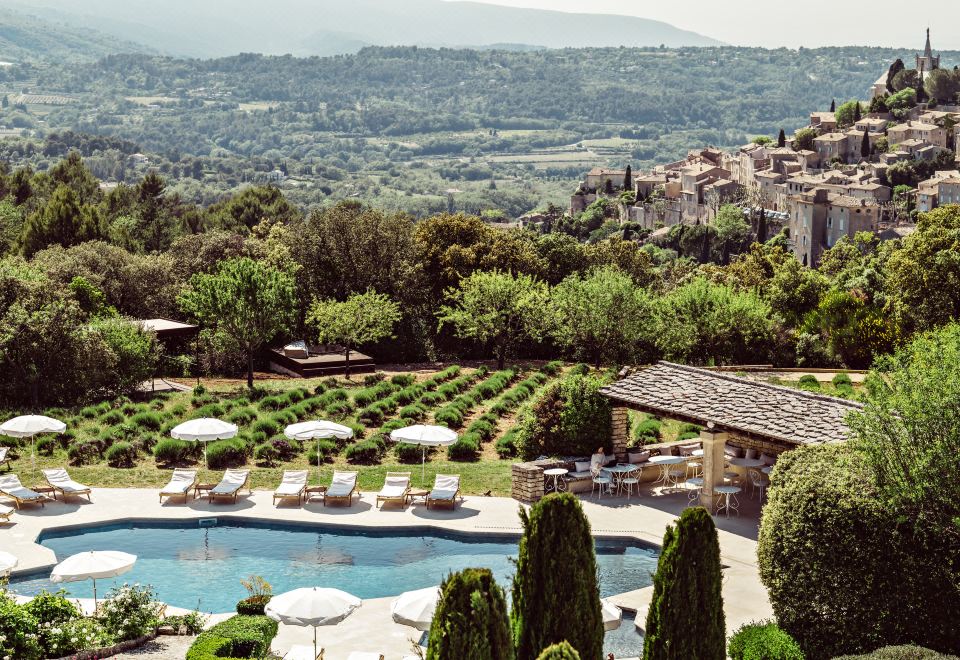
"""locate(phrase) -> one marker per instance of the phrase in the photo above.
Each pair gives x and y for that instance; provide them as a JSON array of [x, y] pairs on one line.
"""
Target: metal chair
[[602, 480], [757, 483]]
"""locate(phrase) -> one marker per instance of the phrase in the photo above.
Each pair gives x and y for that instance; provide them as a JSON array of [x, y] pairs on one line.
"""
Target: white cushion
[[581, 466], [580, 474], [751, 453], [639, 457], [232, 481]]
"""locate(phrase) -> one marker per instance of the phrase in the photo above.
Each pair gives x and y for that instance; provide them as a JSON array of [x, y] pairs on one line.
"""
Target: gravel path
[[164, 647]]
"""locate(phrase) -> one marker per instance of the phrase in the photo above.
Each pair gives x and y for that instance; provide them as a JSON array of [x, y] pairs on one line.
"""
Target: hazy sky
[[791, 23]]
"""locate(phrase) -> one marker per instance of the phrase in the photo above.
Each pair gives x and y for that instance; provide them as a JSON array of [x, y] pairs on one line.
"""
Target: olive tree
[[362, 318]]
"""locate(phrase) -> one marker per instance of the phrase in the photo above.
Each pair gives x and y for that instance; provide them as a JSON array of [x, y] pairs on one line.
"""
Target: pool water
[[200, 567]]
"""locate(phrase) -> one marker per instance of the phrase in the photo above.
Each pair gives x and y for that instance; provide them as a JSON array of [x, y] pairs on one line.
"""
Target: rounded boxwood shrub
[[253, 606], [826, 549], [809, 382], [561, 651], [365, 452], [226, 453], [842, 380], [170, 451], [121, 454], [237, 637], [466, 448], [407, 453], [763, 640]]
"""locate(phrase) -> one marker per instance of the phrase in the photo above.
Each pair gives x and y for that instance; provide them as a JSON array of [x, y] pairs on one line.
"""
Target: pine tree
[[865, 145], [555, 592], [857, 112], [628, 179], [470, 622], [782, 139], [685, 619], [833, 105], [561, 651]]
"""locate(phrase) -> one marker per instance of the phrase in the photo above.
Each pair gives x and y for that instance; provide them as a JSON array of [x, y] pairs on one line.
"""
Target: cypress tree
[[857, 112], [762, 226], [833, 105], [892, 72], [865, 145], [561, 651], [628, 179], [471, 619], [555, 592], [782, 139], [686, 618]]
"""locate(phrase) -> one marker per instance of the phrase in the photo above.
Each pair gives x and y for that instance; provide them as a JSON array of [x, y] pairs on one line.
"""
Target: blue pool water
[[201, 567]]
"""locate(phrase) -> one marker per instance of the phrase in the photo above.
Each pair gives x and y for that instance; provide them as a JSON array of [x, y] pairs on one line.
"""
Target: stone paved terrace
[[731, 403], [644, 517]]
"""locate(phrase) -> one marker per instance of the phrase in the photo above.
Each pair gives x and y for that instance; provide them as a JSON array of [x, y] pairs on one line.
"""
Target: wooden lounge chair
[[180, 484], [396, 487], [446, 489], [342, 488], [293, 484], [5, 458], [302, 652], [63, 484], [361, 655], [230, 486], [5, 513], [11, 487]]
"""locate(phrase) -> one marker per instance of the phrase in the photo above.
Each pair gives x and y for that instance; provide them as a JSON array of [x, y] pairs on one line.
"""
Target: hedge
[[908, 652], [763, 641], [237, 637], [846, 573]]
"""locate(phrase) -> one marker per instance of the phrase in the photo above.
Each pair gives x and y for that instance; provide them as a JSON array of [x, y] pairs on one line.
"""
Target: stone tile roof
[[734, 404]]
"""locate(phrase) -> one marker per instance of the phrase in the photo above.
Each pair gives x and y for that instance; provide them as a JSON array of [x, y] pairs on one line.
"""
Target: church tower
[[927, 62]]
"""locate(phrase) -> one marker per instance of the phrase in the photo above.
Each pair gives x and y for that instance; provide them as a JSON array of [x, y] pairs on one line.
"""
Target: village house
[[819, 218], [830, 146]]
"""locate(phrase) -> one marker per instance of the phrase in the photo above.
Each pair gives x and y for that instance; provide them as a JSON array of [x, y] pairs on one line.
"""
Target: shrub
[[372, 379], [129, 612], [171, 451], [84, 453], [823, 507], [808, 382], [552, 368], [253, 605], [89, 412], [763, 641], [449, 416], [121, 455], [267, 426], [112, 417], [569, 418], [327, 449], [407, 453], [226, 453], [647, 430], [45, 445], [555, 593], [274, 402], [466, 448], [365, 452], [414, 411], [191, 623], [842, 380], [907, 652], [688, 571], [284, 449], [561, 651], [265, 453], [199, 389], [403, 380], [178, 410], [50, 611], [392, 425], [580, 369], [470, 622], [241, 416], [18, 630], [147, 420], [297, 394], [371, 415], [237, 637], [77, 635], [507, 445], [482, 428]]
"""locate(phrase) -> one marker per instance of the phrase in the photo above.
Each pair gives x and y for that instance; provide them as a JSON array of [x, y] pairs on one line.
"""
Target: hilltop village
[[858, 167]]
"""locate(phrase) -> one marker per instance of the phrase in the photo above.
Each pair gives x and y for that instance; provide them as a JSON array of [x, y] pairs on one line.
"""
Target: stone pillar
[[620, 432], [526, 482], [713, 462]]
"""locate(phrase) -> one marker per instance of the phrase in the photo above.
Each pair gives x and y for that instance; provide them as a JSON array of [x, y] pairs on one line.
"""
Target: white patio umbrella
[[204, 429], [318, 430], [27, 426], [93, 565], [612, 615], [312, 606], [425, 436], [416, 608], [8, 562]]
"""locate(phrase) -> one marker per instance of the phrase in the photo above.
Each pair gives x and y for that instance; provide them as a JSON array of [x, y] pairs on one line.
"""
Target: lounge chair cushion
[[232, 482], [10, 484], [445, 487], [300, 652], [580, 474], [395, 486], [342, 485], [5, 510], [58, 477], [3, 453], [360, 655], [180, 482], [293, 483]]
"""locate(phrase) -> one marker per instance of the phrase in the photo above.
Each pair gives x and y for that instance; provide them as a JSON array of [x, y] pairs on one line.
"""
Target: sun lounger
[[395, 488], [231, 484], [5, 458], [342, 488], [11, 487], [360, 655], [180, 484], [5, 513], [446, 488], [63, 484], [293, 484], [302, 652]]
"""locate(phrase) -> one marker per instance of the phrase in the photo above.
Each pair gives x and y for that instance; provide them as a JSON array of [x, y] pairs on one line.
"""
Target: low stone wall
[[116, 649]]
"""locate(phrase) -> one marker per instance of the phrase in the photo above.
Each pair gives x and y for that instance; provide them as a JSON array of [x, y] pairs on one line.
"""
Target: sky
[[790, 23]]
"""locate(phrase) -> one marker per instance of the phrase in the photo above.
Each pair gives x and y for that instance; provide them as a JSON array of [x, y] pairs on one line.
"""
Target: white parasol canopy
[[93, 565], [612, 615], [204, 429], [312, 606], [416, 608], [425, 436], [318, 429], [8, 562], [27, 426]]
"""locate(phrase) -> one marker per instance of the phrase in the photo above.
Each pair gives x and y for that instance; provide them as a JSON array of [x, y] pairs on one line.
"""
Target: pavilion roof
[[734, 404]]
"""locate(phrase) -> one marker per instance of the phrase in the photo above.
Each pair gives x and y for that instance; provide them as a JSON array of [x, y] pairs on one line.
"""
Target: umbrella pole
[[318, 477], [94, 596], [314, 642], [423, 465]]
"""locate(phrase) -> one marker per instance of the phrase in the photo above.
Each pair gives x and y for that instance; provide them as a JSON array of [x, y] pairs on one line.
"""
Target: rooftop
[[734, 404], [831, 137]]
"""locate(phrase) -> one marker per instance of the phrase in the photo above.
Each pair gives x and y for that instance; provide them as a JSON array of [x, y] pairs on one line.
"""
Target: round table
[[767, 470], [746, 462], [618, 472], [664, 463], [557, 486], [727, 492]]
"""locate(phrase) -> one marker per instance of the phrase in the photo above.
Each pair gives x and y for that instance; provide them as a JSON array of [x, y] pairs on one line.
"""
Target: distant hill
[[214, 28], [25, 37]]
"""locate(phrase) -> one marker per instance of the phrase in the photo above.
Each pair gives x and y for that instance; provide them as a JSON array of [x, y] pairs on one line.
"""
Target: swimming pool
[[200, 567]]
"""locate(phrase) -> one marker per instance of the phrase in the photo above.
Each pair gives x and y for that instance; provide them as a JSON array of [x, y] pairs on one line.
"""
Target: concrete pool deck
[[644, 517]]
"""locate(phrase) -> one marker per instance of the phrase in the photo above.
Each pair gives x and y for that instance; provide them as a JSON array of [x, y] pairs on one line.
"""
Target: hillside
[[216, 28], [26, 37]]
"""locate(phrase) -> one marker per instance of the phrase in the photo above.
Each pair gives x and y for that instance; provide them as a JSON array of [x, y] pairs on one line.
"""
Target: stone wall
[[770, 447], [620, 432], [527, 479]]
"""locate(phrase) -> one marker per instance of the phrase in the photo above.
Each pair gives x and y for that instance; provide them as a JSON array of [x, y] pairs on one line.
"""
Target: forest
[[78, 262], [415, 129]]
